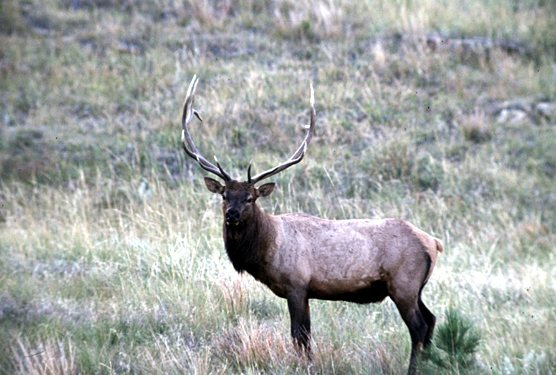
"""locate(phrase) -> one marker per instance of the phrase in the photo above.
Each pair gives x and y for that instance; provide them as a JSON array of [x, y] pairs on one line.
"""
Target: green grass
[[111, 257]]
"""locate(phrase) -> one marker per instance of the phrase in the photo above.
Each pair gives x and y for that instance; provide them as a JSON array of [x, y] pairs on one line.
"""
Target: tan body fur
[[346, 257]]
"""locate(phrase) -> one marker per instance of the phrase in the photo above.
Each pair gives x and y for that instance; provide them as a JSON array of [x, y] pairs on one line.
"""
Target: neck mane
[[248, 242]]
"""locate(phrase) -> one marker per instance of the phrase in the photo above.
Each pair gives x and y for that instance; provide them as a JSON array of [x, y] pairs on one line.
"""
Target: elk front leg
[[298, 305]]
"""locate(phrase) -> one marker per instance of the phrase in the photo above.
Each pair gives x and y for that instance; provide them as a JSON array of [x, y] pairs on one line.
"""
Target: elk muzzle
[[232, 216]]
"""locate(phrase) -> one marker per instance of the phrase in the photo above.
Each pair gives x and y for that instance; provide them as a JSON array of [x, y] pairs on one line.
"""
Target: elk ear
[[266, 189], [214, 186]]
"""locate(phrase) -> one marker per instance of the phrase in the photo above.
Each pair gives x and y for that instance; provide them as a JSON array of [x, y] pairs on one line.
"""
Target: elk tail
[[439, 245]]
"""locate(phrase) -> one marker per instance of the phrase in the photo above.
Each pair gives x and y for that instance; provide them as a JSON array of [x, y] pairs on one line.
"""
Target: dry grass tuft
[[253, 345], [49, 357], [476, 127], [308, 19], [235, 296]]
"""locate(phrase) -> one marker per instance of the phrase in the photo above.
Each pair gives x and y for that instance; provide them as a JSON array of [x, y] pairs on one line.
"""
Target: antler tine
[[298, 154], [226, 175], [190, 148], [249, 171]]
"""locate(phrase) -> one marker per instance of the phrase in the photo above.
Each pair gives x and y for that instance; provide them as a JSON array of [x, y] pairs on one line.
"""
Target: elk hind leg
[[417, 325], [430, 319]]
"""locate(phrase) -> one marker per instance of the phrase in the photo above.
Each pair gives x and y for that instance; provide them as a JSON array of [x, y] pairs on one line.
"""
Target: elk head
[[238, 198]]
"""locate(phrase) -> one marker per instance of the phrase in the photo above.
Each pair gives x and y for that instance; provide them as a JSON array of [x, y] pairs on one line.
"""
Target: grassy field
[[111, 257]]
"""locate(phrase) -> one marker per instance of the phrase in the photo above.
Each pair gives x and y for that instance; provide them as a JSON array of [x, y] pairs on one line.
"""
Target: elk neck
[[248, 243]]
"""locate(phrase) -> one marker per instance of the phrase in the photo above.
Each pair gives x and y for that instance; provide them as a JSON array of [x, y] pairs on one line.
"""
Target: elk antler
[[192, 151], [296, 157]]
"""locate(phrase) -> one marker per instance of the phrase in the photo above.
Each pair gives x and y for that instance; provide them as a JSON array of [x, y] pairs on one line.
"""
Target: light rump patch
[[300, 257]]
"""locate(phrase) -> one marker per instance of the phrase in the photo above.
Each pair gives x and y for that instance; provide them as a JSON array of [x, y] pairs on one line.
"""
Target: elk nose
[[232, 217]]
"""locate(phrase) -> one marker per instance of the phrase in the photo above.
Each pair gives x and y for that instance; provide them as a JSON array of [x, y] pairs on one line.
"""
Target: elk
[[301, 257]]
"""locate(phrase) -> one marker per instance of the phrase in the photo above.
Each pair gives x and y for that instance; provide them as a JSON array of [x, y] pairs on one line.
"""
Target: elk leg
[[417, 325], [430, 319], [298, 305]]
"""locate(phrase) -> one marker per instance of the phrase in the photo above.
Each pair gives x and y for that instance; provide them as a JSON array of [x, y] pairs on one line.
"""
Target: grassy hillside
[[111, 257]]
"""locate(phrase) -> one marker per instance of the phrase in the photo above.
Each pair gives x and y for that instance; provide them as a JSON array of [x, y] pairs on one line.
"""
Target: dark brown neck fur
[[247, 242]]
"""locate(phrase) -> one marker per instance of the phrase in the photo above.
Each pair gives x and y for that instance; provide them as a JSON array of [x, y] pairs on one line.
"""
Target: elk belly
[[358, 291]]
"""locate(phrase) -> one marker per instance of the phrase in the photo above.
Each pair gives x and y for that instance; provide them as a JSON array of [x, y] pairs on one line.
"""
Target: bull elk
[[300, 257]]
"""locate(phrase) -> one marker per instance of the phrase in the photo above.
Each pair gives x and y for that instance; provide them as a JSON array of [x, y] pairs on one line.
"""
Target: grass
[[111, 257]]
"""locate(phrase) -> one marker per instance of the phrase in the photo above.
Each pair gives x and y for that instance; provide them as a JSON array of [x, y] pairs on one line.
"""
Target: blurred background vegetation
[[442, 113]]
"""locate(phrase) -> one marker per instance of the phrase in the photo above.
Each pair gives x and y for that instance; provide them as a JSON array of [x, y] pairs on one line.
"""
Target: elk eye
[[249, 199], [224, 196]]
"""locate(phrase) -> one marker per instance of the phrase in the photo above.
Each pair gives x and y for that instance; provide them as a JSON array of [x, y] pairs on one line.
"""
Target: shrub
[[454, 347]]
